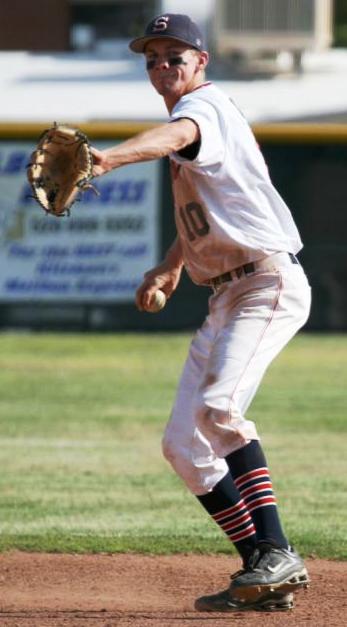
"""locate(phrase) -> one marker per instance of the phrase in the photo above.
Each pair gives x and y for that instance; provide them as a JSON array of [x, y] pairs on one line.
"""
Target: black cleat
[[224, 602], [269, 570]]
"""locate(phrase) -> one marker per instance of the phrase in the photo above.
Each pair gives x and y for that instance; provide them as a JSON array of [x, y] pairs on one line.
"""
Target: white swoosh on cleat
[[274, 569]]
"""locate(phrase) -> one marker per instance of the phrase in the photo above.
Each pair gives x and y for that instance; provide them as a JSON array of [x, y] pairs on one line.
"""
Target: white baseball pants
[[250, 320]]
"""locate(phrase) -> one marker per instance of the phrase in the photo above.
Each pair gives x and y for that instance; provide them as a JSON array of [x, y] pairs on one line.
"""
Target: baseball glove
[[60, 168]]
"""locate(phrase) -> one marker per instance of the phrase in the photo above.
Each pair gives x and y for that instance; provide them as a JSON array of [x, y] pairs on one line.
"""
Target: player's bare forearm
[[152, 144], [171, 268], [165, 276], [174, 256]]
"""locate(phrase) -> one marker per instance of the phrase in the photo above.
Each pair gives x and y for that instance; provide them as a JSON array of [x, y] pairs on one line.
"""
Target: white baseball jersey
[[227, 211]]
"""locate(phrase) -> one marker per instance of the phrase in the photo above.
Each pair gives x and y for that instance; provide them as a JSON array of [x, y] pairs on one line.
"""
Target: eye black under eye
[[176, 61], [150, 64]]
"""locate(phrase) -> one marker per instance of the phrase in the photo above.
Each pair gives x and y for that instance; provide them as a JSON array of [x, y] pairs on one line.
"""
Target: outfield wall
[[81, 272]]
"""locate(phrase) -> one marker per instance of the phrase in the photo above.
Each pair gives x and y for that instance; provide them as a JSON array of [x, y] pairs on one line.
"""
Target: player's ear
[[203, 60]]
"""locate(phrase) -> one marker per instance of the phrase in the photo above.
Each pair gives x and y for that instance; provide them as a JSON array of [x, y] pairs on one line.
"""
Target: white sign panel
[[99, 253]]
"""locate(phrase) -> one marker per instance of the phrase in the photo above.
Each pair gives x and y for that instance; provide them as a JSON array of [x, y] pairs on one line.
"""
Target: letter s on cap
[[160, 24]]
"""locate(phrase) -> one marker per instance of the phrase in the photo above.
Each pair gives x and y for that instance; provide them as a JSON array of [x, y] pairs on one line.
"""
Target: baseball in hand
[[158, 301]]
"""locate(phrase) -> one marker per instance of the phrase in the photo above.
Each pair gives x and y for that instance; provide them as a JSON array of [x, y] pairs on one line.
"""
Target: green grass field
[[81, 418]]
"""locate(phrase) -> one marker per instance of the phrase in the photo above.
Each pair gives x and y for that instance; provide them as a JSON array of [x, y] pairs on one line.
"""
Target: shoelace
[[254, 559], [238, 572], [258, 555]]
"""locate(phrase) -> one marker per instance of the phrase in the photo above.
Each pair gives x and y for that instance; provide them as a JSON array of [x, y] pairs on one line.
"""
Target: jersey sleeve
[[212, 145]]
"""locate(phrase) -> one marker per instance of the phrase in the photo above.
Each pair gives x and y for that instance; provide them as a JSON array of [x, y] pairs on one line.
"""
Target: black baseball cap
[[173, 25]]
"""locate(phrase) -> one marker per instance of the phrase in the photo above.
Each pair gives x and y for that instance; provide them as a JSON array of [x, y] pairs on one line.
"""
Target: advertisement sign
[[98, 253]]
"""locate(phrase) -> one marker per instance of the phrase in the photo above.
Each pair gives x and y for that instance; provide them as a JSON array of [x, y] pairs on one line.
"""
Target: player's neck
[[172, 99]]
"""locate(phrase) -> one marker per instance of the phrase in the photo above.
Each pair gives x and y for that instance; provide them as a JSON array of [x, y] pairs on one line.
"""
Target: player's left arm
[[152, 144]]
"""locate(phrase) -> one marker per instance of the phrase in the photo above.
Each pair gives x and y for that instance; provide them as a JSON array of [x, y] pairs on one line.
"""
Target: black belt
[[248, 268]]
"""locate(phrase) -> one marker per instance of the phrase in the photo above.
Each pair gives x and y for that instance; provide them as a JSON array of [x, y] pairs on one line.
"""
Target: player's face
[[174, 68]]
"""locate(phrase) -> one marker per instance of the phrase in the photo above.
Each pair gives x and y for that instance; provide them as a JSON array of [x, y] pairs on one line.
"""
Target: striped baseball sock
[[249, 470], [229, 511]]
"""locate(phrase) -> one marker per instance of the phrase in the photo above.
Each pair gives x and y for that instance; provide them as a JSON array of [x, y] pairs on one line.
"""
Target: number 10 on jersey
[[194, 220]]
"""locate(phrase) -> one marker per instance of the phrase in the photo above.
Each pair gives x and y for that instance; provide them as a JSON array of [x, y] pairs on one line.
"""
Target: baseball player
[[236, 235]]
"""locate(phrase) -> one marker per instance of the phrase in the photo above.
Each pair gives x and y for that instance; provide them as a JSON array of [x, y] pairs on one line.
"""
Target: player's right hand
[[162, 278]]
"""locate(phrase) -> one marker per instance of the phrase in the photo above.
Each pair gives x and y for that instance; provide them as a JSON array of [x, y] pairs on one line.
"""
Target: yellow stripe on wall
[[273, 133]]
